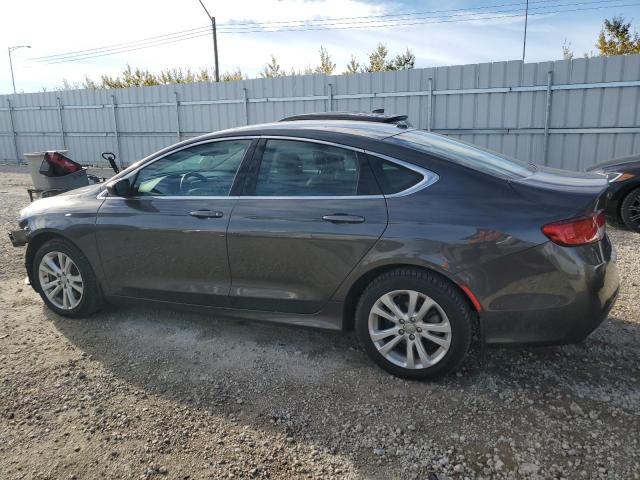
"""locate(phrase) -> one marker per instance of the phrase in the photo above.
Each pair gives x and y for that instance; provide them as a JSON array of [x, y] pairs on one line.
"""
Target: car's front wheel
[[65, 280], [630, 210], [414, 324]]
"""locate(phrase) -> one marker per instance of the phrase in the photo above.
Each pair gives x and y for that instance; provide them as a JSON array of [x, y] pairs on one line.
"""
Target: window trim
[[428, 177], [259, 155], [248, 155]]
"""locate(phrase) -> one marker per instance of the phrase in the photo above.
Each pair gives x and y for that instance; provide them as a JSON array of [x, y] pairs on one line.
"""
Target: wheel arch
[[360, 284], [34, 244], [622, 198]]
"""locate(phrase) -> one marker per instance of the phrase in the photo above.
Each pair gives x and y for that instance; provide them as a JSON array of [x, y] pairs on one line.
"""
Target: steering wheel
[[196, 175]]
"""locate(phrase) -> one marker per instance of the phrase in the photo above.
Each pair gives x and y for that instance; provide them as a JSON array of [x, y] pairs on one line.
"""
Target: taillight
[[577, 231]]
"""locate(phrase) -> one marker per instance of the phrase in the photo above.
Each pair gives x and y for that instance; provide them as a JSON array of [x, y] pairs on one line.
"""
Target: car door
[[307, 215], [168, 240]]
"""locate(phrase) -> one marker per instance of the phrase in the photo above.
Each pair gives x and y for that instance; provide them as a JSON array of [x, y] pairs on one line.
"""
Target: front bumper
[[18, 238], [547, 294]]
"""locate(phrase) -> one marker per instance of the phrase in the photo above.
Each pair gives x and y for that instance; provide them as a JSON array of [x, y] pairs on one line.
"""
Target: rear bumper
[[18, 238], [548, 294]]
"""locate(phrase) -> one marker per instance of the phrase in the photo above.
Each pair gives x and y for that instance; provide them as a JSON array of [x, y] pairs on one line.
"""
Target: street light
[[11, 49], [215, 40]]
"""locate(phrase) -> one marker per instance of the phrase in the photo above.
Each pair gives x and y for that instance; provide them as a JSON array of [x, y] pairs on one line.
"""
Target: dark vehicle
[[623, 195], [413, 239]]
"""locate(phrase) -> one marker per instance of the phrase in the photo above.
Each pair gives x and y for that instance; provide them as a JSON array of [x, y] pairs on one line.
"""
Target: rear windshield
[[463, 153]]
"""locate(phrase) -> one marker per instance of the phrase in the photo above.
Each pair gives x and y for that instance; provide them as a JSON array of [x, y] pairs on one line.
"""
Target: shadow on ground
[[326, 386]]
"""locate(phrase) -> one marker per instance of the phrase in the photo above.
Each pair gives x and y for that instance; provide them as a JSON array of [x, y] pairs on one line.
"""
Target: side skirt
[[329, 318]]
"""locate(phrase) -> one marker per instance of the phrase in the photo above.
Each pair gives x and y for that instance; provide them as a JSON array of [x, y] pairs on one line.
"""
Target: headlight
[[619, 176]]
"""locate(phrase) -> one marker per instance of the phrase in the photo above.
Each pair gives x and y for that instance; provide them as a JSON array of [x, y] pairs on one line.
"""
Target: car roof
[[376, 117], [349, 131], [357, 134]]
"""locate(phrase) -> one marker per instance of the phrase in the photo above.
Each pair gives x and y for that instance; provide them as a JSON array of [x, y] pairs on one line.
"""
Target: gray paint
[[275, 259], [593, 110]]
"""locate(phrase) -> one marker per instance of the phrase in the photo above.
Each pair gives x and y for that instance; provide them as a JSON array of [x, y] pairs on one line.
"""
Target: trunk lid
[[561, 194]]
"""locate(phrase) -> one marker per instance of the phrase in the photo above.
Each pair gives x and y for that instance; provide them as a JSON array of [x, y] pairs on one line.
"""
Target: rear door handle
[[343, 218], [206, 214]]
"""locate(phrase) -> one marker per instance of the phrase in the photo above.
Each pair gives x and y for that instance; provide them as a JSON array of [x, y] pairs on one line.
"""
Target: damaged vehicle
[[340, 222]]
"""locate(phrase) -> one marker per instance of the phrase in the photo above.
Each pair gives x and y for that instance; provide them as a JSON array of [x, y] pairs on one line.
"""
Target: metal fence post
[[13, 131], [60, 121], [115, 128], [177, 106], [245, 98], [430, 104], [547, 117], [329, 97]]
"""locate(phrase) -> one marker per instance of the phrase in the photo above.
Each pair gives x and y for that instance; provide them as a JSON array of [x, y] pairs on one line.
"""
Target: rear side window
[[298, 168], [393, 178], [463, 153]]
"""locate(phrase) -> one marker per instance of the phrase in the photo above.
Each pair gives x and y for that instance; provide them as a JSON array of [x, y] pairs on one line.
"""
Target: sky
[[62, 26]]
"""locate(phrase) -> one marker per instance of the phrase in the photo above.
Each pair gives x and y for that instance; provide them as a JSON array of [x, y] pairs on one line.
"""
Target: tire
[[446, 305], [46, 268], [630, 209]]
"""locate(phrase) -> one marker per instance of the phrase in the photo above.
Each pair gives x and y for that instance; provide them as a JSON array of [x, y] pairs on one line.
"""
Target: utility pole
[[215, 41], [11, 49], [524, 41]]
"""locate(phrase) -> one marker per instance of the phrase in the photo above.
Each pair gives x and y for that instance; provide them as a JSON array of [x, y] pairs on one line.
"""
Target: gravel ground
[[147, 392]]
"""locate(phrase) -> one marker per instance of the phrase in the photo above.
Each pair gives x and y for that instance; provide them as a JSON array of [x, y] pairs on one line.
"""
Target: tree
[[144, 78], [233, 75], [378, 59], [567, 53], [616, 38], [272, 69], [403, 61], [353, 66], [326, 66]]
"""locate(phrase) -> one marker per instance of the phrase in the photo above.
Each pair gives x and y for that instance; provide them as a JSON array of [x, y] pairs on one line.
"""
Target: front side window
[[296, 168], [202, 170]]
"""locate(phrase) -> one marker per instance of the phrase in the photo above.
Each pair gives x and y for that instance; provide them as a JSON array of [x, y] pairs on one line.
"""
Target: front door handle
[[206, 214], [343, 218]]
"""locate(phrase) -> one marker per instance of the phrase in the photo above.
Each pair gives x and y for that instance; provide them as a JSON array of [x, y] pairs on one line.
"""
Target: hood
[[67, 201], [631, 162]]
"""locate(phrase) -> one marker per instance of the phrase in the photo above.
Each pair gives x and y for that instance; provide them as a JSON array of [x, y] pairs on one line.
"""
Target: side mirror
[[120, 188]]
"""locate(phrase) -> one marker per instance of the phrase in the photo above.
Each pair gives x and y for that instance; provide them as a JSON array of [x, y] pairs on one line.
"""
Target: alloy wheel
[[409, 329], [633, 210], [60, 280]]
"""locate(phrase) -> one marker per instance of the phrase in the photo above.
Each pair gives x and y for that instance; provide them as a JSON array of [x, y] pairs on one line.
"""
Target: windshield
[[463, 153]]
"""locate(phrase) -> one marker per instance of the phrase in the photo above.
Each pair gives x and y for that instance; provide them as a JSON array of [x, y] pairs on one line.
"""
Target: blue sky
[[70, 25]]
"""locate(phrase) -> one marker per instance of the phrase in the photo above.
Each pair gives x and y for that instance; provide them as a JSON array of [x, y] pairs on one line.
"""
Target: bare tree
[[567, 53], [272, 69], [326, 66]]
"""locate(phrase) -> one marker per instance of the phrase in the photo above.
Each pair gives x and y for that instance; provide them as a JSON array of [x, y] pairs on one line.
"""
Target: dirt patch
[[148, 392]]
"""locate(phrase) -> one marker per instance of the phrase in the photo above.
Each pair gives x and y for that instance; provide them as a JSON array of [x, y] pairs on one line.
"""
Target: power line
[[253, 25], [177, 36], [114, 52], [121, 45], [471, 9], [425, 20]]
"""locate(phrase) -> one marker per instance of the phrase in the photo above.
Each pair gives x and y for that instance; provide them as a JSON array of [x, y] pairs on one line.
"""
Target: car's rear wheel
[[630, 210], [414, 324], [65, 280]]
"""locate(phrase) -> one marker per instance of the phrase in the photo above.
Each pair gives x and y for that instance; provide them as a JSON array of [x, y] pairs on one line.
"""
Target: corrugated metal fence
[[567, 114]]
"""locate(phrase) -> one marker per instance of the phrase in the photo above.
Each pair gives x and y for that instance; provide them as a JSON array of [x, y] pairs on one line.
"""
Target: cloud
[[69, 25]]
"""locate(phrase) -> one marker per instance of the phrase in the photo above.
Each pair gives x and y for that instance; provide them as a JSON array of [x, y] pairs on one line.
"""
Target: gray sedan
[[415, 240]]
